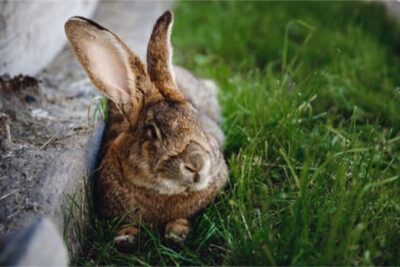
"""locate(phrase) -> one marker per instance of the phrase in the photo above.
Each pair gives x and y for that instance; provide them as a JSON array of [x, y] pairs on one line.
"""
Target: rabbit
[[161, 160]]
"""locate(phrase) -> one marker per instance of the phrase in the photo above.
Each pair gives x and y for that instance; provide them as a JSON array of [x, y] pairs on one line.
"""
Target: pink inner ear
[[107, 65]]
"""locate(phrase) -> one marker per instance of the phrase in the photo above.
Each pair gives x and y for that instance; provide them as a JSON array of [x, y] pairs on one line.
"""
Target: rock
[[28, 27], [38, 244]]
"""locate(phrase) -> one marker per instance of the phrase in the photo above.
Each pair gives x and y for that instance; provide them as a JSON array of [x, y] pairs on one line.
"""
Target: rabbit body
[[161, 160], [139, 204], [148, 205]]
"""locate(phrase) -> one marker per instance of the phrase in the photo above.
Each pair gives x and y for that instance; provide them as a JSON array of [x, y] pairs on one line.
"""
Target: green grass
[[311, 103]]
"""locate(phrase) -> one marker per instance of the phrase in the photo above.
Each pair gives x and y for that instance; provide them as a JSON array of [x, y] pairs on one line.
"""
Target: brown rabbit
[[161, 157]]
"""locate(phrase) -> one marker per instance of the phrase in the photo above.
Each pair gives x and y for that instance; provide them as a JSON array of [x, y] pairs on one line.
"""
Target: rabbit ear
[[116, 71], [159, 58]]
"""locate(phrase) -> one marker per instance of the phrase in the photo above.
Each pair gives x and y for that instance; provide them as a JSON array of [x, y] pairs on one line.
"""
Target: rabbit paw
[[126, 238], [177, 231]]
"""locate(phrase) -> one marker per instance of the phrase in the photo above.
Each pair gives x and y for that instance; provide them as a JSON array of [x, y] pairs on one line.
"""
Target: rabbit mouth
[[174, 187], [186, 181], [171, 187]]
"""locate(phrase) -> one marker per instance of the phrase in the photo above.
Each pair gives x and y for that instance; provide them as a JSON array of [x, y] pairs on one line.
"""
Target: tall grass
[[311, 103]]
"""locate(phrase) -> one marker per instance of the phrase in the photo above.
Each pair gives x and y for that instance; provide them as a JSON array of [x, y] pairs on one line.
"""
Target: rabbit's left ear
[[112, 67], [159, 58]]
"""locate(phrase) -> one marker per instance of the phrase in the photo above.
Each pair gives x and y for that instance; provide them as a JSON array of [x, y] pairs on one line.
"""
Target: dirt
[[45, 116]]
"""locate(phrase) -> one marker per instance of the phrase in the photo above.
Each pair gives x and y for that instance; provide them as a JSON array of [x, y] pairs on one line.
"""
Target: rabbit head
[[164, 148]]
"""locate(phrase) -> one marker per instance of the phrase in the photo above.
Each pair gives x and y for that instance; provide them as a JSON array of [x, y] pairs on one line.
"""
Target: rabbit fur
[[161, 160]]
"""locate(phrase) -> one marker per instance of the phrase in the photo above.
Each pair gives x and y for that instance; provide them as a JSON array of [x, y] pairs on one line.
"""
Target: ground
[[310, 95], [46, 126]]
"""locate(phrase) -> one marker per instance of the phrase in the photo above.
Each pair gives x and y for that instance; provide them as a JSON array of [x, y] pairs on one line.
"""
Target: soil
[[46, 116]]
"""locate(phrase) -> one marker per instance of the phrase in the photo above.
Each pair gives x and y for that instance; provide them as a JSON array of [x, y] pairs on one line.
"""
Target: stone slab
[[27, 27], [38, 244]]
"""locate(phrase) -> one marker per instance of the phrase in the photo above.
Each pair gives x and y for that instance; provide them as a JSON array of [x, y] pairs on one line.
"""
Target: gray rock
[[38, 244], [31, 32]]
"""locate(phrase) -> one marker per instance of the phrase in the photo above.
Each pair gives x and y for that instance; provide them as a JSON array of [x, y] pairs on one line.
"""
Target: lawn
[[311, 102]]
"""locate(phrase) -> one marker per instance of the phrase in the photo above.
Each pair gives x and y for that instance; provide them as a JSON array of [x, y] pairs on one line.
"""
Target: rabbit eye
[[151, 132]]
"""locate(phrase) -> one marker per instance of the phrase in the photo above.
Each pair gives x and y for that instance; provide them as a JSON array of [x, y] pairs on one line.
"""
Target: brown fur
[[146, 205], [177, 230], [159, 166], [159, 57]]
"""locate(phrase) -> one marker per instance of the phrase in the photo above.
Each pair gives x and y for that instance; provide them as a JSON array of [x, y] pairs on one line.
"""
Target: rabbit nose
[[195, 164]]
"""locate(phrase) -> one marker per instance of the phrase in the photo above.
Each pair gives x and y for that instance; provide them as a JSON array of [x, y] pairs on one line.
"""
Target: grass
[[311, 100]]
